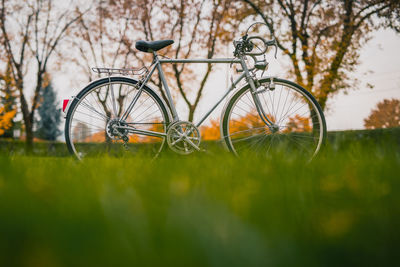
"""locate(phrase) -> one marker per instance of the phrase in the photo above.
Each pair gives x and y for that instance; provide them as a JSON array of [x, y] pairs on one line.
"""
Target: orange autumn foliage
[[6, 119], [298, 124], [385, 115], [251, 120], [100, 137], [210, 132]]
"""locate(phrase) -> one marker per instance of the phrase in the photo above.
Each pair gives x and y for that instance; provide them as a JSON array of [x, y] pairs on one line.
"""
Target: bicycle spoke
[[91, 132], [87, 106], [297, 123], [113, 101]]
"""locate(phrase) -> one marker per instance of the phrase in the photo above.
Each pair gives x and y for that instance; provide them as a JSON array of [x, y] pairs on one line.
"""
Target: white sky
[[380, 55]]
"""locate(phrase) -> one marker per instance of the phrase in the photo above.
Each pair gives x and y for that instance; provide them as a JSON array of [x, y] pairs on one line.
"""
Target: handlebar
[[257, 53], [245, 46], [266, 45]]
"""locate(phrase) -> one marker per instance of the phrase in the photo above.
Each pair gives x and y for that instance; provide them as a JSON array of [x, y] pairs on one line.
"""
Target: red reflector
[[65, 104]]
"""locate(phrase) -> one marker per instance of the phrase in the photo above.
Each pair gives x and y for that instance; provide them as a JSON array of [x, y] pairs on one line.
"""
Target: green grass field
[[342, 209]]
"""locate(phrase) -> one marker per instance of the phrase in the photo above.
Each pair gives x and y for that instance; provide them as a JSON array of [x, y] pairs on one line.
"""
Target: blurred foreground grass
[[343, 209]]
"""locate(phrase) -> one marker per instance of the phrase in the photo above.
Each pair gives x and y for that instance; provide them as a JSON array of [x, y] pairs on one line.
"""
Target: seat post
[[155, 56]]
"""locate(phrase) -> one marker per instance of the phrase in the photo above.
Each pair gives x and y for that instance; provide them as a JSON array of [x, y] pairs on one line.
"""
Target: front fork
[[271, 125]]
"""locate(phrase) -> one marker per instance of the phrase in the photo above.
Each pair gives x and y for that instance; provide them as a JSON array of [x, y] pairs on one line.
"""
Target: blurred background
[[341, 209], [344, 52]]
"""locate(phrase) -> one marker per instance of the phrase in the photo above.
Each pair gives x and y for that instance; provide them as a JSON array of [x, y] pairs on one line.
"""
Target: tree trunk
[[322, 101], [191, 114], [29, 135], [26, 116], [28, 125]]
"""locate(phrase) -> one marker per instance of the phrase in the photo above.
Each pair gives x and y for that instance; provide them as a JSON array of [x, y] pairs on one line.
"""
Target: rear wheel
[[94, 125], [299, 123]]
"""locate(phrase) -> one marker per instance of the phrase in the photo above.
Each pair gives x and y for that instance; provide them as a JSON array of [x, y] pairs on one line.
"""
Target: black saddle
[[149, 47]]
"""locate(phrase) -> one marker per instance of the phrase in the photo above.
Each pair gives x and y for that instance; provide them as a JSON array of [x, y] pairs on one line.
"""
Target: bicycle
[[119, 115]]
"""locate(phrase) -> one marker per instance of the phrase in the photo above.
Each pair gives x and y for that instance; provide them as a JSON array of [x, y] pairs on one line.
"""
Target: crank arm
[[192, 144]]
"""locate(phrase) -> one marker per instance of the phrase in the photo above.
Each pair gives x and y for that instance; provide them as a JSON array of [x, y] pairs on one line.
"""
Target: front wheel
[[94, 124], [298, 121]]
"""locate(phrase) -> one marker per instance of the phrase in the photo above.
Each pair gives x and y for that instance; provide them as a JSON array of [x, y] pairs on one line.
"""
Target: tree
[[298, 124], [7, 104], [101, 39], [101, 36], [6, 120], [199, 28], [210, 132], [322, 39], [81, 132], [47, 126], [30, 32], [385, 115]]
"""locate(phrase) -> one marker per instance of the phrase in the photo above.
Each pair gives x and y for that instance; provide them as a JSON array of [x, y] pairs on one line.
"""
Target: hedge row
[[337, 140]]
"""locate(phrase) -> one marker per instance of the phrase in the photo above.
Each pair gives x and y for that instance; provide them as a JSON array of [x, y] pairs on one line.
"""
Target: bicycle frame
[[255, 117], [158, 65]]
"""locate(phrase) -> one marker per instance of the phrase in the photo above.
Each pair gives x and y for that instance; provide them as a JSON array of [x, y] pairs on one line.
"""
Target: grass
[[204, 210]]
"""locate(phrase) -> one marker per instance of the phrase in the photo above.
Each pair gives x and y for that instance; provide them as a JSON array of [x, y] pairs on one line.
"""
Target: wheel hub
[[274, 128], [114, 131]]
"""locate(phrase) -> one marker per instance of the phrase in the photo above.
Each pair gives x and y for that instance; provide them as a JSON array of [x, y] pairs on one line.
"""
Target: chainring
[[183, 137]]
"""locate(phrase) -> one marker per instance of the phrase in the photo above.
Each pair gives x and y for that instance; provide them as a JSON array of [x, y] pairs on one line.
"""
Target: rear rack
[[111, 71]]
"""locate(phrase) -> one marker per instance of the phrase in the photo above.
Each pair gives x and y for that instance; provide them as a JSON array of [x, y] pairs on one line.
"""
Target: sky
[[379, 66], [380, 55]]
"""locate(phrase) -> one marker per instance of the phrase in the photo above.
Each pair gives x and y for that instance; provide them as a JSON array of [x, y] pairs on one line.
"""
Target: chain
[[125, 144]]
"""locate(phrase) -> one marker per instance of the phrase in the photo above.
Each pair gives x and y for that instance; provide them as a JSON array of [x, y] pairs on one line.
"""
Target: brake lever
[[273, 43]]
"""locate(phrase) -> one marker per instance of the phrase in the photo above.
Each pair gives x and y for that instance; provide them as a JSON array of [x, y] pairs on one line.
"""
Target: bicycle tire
[[91, 138], [243, 130]]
